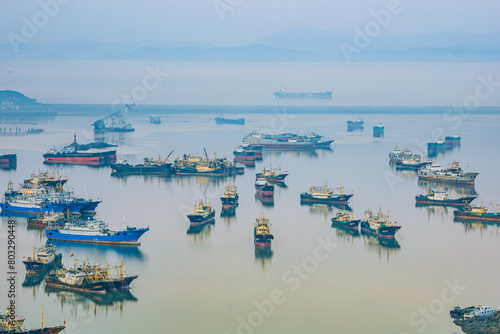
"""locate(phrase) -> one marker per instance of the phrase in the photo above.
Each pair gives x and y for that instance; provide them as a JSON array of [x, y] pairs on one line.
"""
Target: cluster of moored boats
[[377, 225], [436, 173]]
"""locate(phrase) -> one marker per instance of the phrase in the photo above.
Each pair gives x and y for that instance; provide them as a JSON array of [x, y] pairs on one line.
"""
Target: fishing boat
[[257, 149], [459, 312], [46, 220], [276, 175], [94, 230], [155, 119], [471, 212], [452, 141], [480, 312], [454, 174], [435, 147], [264, 188], [11, 324], [202, 214], [378, 130], [379, 225], [398, 154], [8, 159], [325, 194], [345, 220], [290, 141], [414, 162], [222, 120], [241, 154], [44, 258], [355, 125], [262, 233], [441, 198], [74, 279], [150, 166], [230, 197]]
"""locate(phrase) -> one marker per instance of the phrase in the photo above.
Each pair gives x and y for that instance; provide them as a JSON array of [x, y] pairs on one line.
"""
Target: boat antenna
[[124, 221]]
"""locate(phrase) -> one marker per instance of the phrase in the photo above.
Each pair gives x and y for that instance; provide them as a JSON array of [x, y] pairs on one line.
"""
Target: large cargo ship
[[454, 174], [88, 154], [149, 167], [379, 225], [262, 233], [95, 231], [287, 141], [283, 94], [222, 120]]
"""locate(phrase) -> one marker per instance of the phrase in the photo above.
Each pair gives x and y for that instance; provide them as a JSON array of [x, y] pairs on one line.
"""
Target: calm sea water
[[214, 282]]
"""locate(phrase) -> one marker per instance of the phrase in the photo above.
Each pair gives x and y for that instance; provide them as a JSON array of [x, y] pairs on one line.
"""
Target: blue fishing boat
[[94, 230]]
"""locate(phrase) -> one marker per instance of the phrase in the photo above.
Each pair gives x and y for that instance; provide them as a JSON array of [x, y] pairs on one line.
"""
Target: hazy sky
[[236, 22]]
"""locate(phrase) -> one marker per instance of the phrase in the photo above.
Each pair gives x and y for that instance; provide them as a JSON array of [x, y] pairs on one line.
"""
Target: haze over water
[[206, 282]]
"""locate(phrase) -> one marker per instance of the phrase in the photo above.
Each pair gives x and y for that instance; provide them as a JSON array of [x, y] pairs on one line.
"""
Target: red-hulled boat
[[262, 233], [88, 154]]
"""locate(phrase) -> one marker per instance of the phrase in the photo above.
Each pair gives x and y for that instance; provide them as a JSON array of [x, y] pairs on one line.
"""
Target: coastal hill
[[297, 45], [16, 98]]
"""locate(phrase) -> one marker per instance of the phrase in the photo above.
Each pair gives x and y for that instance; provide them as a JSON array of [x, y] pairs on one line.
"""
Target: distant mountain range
[[299, 45]]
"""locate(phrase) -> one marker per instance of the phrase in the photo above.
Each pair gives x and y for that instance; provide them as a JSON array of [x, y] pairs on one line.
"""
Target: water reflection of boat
[[474, 225], [325, 207], [228, 212], [73, 297], [36, 279], [381, 246], [263, 253], [264, 200], [96, 250], [200, 232]]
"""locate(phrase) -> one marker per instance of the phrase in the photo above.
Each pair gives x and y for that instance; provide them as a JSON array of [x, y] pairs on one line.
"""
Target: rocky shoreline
[[489, 325]]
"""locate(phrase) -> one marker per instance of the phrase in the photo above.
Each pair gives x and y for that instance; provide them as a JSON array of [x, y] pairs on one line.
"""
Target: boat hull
[[196, 220], [465, 178], [463, 215], [263, 242], [35, 267], [222, 120], [129, 237], [49, 207], [348, 224], [285, 95], [386, 232], [339, 199], [459, 202], [91, 287]]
